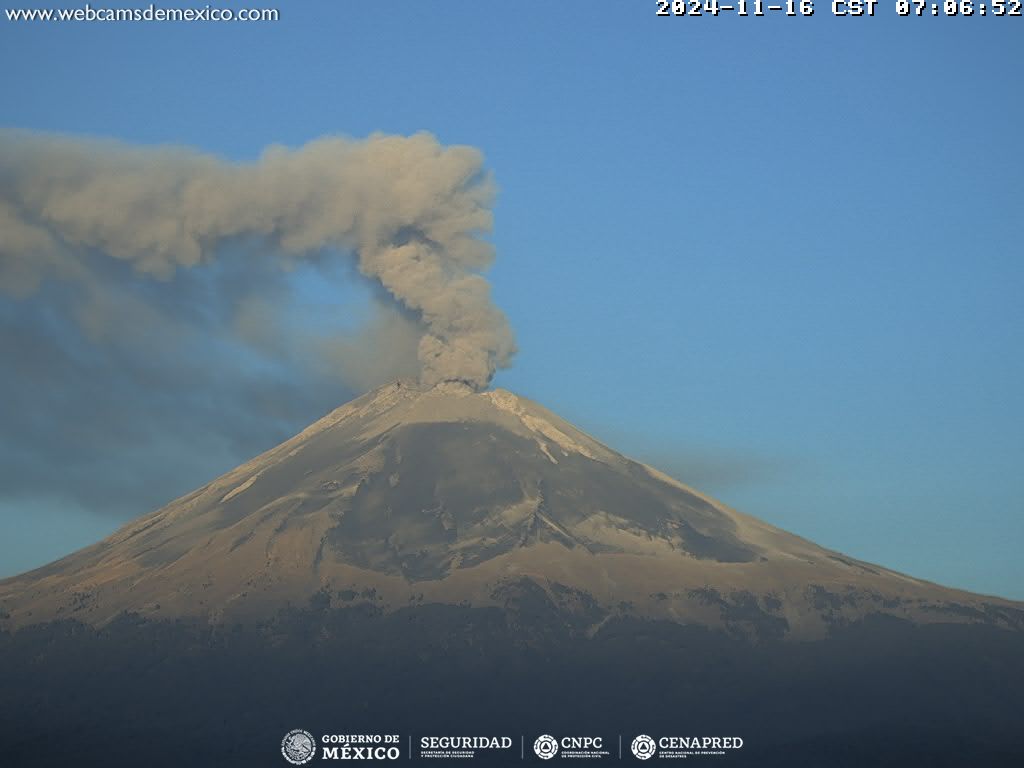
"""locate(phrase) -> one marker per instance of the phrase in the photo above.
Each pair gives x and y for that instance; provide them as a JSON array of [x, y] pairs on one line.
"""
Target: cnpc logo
[[547, 746]]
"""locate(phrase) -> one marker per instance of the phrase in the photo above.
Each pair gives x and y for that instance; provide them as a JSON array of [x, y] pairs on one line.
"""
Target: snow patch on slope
[[243, 487], [506, 401]]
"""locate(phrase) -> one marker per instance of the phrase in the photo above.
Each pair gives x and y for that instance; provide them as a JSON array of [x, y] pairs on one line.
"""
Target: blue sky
[[779, 257]]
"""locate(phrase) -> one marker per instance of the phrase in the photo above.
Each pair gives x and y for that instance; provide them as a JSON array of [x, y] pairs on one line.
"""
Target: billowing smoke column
[[410, 211]]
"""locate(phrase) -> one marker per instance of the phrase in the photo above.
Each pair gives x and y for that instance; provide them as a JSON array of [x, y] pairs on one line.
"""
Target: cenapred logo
[[298, 746], [546, 747], [643, 747]]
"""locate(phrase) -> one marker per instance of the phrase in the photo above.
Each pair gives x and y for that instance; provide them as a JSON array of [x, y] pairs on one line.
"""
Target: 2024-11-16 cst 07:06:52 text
[[680, 8]]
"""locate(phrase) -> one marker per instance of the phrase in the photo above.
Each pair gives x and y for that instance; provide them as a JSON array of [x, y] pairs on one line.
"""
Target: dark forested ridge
[[881, 691]]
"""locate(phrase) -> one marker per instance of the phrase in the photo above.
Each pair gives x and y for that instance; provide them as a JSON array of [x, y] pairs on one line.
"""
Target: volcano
[[427, 556], [446, 495]]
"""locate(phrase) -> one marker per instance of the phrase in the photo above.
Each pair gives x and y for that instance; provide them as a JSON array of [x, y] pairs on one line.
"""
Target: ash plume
[[409, 211]]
